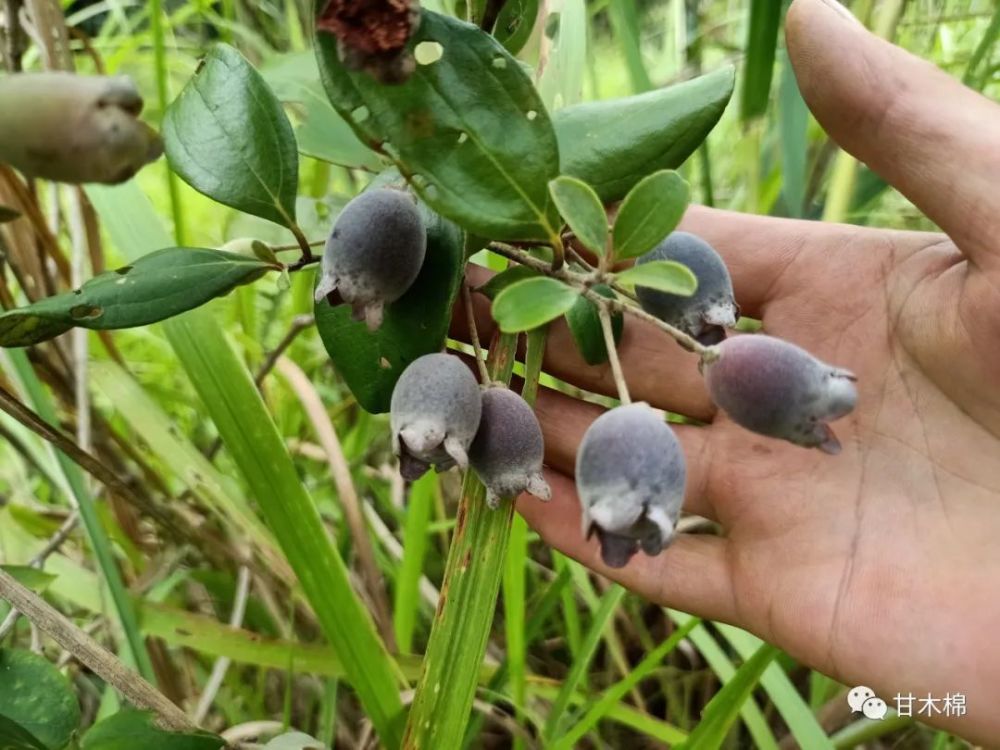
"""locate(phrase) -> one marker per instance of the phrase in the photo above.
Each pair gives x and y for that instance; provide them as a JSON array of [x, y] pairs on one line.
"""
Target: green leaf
[[505, 278], [15, 737], [611, 145], [758, 65], [585, 327], [722, 710], [515, 23], [8, 214], [227, 136], [157, 286], [531, 303], [650, 212], [477, 106], [129, 730], [583, 211], [662, 275], [416, 324], [36, 696], [35, 579]]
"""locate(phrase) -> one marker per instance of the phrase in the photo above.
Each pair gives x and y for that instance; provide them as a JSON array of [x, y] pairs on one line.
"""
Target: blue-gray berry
[[374, 253], [630, 476], [434, 414], [712, 308]]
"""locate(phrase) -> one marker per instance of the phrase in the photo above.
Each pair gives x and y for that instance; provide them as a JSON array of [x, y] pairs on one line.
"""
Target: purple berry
[[707, 313], [508, 449], [630, 476], [434, 413], [374, 253], [777, 389]]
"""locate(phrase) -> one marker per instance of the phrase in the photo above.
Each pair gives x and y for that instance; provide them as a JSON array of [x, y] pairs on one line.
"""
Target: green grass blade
[[721, 711], [96, 534], [406, 607], [724, 669], [793, 709], [231, 399], [602, 617], [793, 119], [613, 695], [625, 24], [758, 67]]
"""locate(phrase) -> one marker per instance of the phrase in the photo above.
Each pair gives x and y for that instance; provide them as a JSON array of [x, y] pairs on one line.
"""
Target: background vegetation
[[571, 661]]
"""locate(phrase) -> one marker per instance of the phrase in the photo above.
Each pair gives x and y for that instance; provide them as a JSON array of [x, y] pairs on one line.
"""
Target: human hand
[[879, 566]]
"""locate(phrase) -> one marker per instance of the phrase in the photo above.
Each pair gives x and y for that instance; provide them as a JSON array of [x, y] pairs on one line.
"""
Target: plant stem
[[50, 621], [616, 365], [470, 316]]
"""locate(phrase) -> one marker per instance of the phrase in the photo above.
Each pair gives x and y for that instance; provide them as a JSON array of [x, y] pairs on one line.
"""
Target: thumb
[[929, 136]]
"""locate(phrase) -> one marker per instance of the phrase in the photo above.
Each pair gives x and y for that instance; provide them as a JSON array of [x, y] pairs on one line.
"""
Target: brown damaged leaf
[[373, 35]]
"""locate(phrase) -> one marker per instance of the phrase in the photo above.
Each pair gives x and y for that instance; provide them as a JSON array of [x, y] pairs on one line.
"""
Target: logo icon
[[863, 699]]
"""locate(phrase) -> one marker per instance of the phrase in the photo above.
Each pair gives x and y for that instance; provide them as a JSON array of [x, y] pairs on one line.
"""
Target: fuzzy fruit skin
[[775, 388], [434, 413], [73, 128], [630, 476], [374, 253], [712, 308], [508, 449]]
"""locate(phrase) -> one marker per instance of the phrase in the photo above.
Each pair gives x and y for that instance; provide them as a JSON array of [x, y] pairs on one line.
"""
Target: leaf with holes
[[661, 275], [613, 144], [467, 129], [129, 729], [582, 210], [160, 285], [37, 697], [415, 324], [227, 136], [585, 327], [532, 303], [650, 212]]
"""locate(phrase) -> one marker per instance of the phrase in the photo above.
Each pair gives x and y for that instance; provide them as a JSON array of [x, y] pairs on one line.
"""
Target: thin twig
[[616, 365], [221, 665], [470, 315], [134, 688], [296, 246]]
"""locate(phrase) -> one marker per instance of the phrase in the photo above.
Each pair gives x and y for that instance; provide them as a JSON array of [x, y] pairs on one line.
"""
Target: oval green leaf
[[227, 136], [613, 144], [35, 579], [651, 211], [414, 325], [38, 698], [16, 737], [504, 279], [582, 210], [160, 285], [585, 327], [662, 275], [532, 303], [129, 729], [468, 131]]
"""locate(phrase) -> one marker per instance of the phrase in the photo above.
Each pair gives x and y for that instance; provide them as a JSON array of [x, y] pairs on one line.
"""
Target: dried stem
[[136, 690], [470, 314], [616, 365]]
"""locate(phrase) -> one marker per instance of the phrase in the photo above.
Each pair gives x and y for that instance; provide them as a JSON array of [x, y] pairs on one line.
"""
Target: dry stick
[[616, 365], [221, 665], [340, 471], [136, 690], [61, 535], [470, 315]]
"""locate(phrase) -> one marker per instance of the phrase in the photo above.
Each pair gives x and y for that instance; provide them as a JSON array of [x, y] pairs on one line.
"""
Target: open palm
[[879, 566]]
